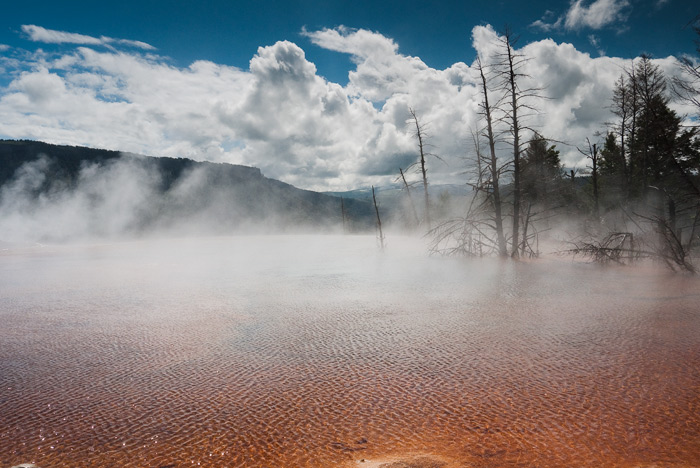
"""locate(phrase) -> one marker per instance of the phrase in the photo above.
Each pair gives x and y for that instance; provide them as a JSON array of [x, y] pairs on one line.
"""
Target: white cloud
[[577, 88], [359, 43], [595, 42], [39, 86], [50, 36], [548, 22], [596, 15], [116, 101], [381, 71], [443, 100], [39, 34], [281, 116], [542, 25]]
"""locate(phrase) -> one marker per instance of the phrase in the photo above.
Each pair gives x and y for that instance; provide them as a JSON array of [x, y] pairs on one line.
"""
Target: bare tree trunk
[[621, 108], [633, 134], [343, 214], [596, 199], [526, 224], [424, 171], [379, 221], [672, 217], [410, 199], [593, 155], [515, 129], [623, 161], [493, 168]]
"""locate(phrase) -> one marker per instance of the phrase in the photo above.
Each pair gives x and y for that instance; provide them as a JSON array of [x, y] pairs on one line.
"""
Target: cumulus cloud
[[297, 126], [596, 15], [117, 101], [281, 116], [443, 99], [381, 71], [50, 36]]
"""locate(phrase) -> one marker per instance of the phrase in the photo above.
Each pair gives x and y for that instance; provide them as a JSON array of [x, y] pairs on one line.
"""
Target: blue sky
[[229, 32], [387, 55]]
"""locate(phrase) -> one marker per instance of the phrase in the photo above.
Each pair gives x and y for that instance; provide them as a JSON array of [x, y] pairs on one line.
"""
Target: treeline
[[638, 197]]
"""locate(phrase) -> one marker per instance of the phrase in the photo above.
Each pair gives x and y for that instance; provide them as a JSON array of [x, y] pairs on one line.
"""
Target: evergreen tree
[[667, 155], [624, 108], [540, 170], [647, 144], [612, 161], [612, 169]]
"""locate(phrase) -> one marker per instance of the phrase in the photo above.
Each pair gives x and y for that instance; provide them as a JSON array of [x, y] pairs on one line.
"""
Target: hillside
[[60, 192]]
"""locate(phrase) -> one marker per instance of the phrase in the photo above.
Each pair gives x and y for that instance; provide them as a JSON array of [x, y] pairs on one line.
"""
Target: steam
[[106, 200], [136, 196]]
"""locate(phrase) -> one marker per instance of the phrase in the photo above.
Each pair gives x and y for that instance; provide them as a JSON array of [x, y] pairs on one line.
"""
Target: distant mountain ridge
[[152, 193], [68, 160]]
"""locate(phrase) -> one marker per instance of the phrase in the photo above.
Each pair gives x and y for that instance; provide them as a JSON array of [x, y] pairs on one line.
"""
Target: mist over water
[[105, 200], [54, 199], [317, 351]]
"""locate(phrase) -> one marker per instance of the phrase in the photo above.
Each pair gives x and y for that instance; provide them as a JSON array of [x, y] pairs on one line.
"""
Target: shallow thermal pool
[[323, 351]]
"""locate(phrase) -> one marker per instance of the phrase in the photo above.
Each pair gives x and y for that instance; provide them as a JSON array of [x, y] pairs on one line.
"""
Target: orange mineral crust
[[317, 351]]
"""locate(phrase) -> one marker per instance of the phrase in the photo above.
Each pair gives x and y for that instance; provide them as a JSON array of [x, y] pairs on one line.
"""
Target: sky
[[317, 94]]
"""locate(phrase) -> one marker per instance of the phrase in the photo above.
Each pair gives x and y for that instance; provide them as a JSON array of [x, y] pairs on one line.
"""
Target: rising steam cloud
[[140, 196], [107, 199]]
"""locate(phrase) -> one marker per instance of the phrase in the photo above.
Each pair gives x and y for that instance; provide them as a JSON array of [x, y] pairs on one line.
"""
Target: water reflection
[[323, 351]]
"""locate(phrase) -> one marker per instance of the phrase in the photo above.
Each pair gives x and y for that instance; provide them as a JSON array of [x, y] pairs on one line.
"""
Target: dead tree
[[687, 86], [509, 69], [379, 221], [619, 247], [656, 237], [408, 194], [422, 147], [468, 236], [594, 156], [492, 162], [622, 108], [616, 247], [473, 234], [515, 129], [671, 248], [525, 246], [343, 214], [674, 252]]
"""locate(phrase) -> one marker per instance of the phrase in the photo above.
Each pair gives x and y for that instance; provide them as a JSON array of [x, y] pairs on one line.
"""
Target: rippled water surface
[[323, 351]]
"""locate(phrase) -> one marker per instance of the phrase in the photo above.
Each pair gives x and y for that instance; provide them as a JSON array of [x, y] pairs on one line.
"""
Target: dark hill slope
[[160, 193]]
